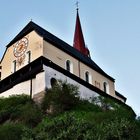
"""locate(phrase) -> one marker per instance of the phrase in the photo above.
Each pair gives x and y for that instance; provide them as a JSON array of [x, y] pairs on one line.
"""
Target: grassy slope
[[20, 118]]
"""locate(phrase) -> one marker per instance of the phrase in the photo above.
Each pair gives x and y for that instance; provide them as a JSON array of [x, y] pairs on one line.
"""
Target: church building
[[35, 58]]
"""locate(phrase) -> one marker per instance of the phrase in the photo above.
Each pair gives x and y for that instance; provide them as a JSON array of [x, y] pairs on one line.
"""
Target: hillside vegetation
[[63, 116]]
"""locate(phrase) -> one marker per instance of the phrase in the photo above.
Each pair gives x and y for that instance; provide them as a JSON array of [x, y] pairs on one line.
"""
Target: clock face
[[20, 47]]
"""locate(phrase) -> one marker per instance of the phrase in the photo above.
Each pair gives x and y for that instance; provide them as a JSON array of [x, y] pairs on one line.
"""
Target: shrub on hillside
[[13, 100], [119, 129], [10, 107], [20, 108], [11, 131], [61, 97], [85, 105], [76, 126], [118, 109], [66, 127], [30, 114]]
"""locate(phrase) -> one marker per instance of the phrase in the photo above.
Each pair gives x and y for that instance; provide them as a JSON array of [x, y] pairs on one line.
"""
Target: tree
[[61, 97]]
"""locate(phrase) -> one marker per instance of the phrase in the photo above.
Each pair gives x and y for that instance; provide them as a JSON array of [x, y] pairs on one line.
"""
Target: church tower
[[78, 42]]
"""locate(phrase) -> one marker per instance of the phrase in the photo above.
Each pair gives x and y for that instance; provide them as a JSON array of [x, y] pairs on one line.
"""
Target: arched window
[[88, 77], [106, 87], [53, 82], [69, 66]]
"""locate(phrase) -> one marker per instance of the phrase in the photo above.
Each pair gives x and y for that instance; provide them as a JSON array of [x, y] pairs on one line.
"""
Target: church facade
[[35, 57]]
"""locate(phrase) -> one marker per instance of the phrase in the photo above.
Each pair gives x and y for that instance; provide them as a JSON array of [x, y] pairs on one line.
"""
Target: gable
[[34, 45], [60, 44]]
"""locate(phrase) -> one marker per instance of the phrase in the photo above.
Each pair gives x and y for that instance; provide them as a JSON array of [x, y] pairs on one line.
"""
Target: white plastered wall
[[38, 85], [85, 92], [42, 81]]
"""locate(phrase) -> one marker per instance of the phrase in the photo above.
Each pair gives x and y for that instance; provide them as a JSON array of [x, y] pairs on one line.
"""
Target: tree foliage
[[70, 119], [11, 131], [62, 97]]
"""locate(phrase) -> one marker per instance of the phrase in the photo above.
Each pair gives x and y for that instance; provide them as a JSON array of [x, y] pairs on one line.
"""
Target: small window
[[0, 72], [69, 66], [88, 77], [13, 67], [53, 82], [28, 57], [106, 87]]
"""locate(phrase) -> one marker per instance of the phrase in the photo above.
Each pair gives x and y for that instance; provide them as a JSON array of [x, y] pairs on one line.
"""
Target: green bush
[[20, 108], [27, 134], [14, 100], [62, 97], [65, 127], [85, 105], [74, 125], [30, 114], [103, 119], [10, 107], [119, 129], [11, 131], [4, 115]]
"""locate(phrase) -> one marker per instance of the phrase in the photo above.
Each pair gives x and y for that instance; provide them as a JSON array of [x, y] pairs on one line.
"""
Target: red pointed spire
[[78, 41]]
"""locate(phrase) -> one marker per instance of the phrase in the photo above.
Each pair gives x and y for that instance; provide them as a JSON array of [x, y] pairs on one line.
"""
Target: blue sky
[[111, 29]]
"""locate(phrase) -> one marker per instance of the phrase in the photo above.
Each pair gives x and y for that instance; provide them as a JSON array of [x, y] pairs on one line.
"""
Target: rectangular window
[[14, 66], [0, 72], [28, 57]]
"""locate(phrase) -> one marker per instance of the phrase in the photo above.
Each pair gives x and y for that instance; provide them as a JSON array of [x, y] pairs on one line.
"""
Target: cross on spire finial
[[78, 41], [77, 5]]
